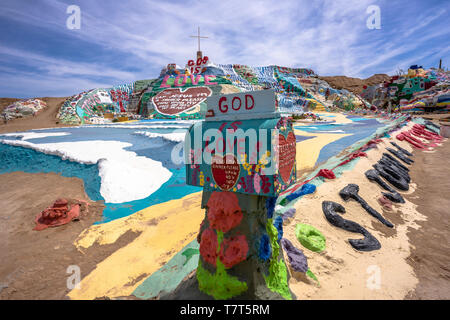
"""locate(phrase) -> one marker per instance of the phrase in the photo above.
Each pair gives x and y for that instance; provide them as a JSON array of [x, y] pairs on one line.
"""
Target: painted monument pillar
[[243, 155]]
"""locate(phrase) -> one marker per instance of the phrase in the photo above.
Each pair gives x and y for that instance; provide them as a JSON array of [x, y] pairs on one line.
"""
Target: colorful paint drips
[[278, 223], [270, 206], [265, 249], [277, 278], [220, 285]]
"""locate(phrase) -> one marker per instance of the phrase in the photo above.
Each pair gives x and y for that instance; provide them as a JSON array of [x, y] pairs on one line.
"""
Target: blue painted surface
[[28, 160], [300, 138], [323, 115]]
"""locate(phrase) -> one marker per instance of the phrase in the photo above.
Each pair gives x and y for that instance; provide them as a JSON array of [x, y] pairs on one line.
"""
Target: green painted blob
[[219, 285], [310, 237], [277, 279]]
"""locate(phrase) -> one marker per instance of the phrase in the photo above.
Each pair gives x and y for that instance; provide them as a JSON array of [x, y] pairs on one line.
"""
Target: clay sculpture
[[368, 243], [393, 178], [296, 257], [391, 168], [393, 195], [398, 163], [399, 155], [351, 192], [405, 152]]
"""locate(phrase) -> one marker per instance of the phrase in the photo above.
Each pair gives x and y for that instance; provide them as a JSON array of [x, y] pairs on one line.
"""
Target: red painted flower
[[233, 250], [208, 246], [224, 212]]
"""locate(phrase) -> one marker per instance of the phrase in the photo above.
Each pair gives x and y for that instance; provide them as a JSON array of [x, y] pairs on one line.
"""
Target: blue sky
[[123, 41]]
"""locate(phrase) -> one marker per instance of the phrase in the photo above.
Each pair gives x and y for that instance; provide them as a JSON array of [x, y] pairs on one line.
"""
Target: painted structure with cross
[[198, 36]]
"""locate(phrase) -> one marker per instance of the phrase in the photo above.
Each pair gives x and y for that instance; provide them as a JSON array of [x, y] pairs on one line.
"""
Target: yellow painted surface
[[164, 229], [338, 117], [308, 150]]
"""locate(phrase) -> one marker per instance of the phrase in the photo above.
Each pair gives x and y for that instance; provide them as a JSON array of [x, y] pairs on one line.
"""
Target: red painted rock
[[174, 101], [57, 215], [224, 212], [286, 149], [225, 171], [326, 174], [233, 250]]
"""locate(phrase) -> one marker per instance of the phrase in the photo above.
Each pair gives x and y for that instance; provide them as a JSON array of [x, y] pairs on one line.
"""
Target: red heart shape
[[174, 101], [225, 171], [286, 149]]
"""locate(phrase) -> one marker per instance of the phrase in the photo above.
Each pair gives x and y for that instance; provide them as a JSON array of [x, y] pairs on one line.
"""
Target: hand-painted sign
[[198, 67], [174, 101], [240, 106], [183, 80]]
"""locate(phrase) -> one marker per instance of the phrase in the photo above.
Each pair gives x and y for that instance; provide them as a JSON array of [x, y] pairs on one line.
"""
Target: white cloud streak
[[329, 36]]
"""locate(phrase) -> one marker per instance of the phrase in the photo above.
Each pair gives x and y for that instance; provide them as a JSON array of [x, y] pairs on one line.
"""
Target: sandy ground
[[430, 254], [34, 263], [44, 119], [388, 273], [411, 263], [435, 116]]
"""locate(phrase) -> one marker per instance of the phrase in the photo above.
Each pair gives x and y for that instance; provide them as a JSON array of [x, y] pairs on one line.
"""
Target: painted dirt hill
[[355, 85], [43, 118], [181, 93]]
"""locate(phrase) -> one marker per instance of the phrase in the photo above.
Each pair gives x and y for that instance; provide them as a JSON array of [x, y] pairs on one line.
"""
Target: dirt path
[[34, 263], [431, 256], [44, 119]]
